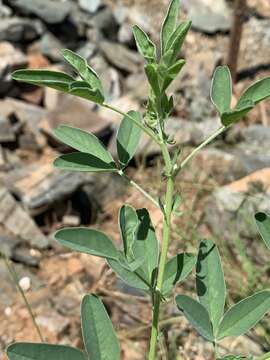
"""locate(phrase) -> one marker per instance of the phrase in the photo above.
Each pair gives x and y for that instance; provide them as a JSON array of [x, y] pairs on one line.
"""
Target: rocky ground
[[222, 188]]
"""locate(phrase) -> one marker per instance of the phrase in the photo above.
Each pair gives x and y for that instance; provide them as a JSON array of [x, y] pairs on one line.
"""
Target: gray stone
[[18, 223], [208, 16], [236, 205], [5, 11], [90, 5], [7, 131], [10, 58], [51, 11], [20, 30], [121, 57], [255, 40], [48, 46]]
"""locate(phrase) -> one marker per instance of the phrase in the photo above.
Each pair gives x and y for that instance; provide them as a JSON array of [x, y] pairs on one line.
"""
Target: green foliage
[[83, 69], [210, 282], [145, 46], [92, 156], [31, 351], [169, 24], [221, 89], [128, 138], [257, 92], [197, 315], [221, 94], [87, 241], [140, 262], [99, 337], [244, 315], [176, 270], [263, 224]]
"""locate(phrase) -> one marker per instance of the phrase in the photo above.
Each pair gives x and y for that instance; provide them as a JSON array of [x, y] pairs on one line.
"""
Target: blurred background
[[221, 189]]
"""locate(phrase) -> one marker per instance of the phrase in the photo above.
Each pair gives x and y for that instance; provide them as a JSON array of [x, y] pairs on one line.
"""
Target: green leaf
[[257, 92], [232, 116], [83, 69], [132, 278], [145, 46], [176, 40], [196, 314], [99, 337], [210, 282], [172, 73], [31, 351], [146, 244], [169, 23], [128, 222], [152, 76], [84, 162], [244, 315], [87, 241], [221, 89], [176, 270], [53, 79], [83, 90], [263, 224], [83, 141], [128, 138], [61, 82]]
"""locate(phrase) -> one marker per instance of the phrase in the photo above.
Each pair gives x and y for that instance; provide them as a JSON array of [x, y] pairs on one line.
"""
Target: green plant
[[141, 263]]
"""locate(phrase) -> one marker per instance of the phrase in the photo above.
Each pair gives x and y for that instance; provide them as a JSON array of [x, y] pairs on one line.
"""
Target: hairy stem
[[15, 279], [201, 146], [139, 188], [148, 131], [164, 251]]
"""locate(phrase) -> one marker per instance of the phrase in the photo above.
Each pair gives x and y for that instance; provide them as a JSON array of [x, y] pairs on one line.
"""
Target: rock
[[18, 223], [8, 131], [48, 46], [8, 160], [90, 5], [236, 205], [10, 58], [104, 21], [208, 16], [40, 186], [53, 13], [121, 57], [53, 322], [255, 40], [260, 7], [20, 30], [125, 34], [87, 50], [28, 118], [77, 112], [5, 11]]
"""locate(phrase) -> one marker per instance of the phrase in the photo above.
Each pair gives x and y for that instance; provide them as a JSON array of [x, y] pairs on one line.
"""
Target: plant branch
[[139, 124], [164, 250], [15, 279], [200, 147], [139, 188]]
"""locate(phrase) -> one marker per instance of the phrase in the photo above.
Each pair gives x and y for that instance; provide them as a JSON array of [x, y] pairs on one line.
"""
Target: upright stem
[[15, 279], [164, 251]]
